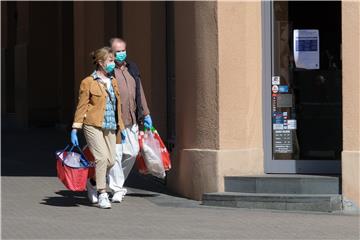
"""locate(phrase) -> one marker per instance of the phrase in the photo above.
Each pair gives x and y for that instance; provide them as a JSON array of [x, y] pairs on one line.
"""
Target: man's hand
[[148, 121], [123, 135]]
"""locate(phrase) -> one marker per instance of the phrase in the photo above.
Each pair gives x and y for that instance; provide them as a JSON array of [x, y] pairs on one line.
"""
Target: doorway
[[302, 87]]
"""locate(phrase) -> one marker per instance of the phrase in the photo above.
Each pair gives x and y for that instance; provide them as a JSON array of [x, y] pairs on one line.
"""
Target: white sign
[[306, 48], [278, 126], [291, 124], [275, 80]]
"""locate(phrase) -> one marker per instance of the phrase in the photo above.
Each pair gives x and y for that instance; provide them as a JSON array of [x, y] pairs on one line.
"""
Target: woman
[[98, 113]]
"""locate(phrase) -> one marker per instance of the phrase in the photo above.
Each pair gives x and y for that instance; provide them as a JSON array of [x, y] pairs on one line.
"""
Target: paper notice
[[291, 124], [306, 48]]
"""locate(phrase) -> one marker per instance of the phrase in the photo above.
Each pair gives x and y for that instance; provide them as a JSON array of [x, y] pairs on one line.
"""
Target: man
[[135, 112]]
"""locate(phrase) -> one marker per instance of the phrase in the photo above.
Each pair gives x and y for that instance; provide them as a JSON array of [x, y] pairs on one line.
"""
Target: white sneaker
[[104, 201], [91, 192], [124, 190], [117, 197]]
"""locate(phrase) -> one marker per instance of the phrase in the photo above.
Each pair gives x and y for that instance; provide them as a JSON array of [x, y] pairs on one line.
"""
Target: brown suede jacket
[[92, 102]]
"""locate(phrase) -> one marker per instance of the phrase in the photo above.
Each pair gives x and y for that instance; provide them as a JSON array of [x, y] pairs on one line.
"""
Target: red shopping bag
[[72, 169], [165, 155], [90, 157], [140, 162]]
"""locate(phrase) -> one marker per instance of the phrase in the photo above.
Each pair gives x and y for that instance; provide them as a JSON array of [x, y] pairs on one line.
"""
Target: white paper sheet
[[306, 48]]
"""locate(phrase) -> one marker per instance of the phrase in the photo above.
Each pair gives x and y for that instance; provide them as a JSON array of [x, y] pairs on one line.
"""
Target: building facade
[[235, 88]]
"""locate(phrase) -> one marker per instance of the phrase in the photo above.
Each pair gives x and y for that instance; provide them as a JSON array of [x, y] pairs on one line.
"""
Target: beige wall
[[218, 94], [240, 82], [351, 101], [240, 88]]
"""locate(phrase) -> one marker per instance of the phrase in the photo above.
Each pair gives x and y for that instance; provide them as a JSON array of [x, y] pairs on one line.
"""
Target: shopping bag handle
[[71, 149], [78, 147], [87, 164], [67, 146], [152, 129]]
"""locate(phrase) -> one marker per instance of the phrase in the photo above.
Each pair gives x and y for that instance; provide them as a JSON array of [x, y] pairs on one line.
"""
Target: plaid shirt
[[109, 122]]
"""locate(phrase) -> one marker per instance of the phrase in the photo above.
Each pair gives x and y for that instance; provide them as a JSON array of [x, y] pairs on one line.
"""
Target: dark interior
[[318, 93]]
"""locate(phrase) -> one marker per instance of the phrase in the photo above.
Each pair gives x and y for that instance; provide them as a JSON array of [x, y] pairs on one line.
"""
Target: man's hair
[[112, 40]]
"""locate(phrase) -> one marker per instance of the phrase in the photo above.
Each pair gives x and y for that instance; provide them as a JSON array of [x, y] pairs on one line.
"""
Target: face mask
[[120, 56], [110, 67]]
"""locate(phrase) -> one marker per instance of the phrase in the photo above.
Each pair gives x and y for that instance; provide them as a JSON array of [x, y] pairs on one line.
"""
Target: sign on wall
[[282, 141], [306, 48]]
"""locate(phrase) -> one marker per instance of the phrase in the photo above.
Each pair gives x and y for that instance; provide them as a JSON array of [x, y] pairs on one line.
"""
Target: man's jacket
[[133, 102]]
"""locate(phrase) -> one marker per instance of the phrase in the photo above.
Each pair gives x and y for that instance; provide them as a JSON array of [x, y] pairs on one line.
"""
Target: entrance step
[[291, 202], [283, 184], [280, 192]]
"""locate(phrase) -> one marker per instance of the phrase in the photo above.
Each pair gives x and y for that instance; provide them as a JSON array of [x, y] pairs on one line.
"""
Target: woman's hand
[[74, 138]]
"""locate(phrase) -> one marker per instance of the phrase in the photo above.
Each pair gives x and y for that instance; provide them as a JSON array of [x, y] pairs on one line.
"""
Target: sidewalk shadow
[[42, 143], [148, 183], [21, 145], [76, 199], [143, 195], [67, 199]]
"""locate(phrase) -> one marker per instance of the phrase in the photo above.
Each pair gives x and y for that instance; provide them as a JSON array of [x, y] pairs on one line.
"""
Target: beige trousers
[[102, 144]]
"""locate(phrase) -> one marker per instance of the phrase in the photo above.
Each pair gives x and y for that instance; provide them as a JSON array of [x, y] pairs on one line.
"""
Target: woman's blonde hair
[[100, 55]]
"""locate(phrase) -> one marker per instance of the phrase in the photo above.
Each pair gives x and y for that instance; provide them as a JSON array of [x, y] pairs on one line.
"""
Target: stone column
[[218, 95], [197, 114], [351, 103]]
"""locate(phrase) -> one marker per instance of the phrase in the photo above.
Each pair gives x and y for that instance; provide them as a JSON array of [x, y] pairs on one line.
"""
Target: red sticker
[[275, 89]]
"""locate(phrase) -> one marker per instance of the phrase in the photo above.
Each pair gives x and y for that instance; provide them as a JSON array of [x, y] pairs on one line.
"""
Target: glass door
[[302, 87]]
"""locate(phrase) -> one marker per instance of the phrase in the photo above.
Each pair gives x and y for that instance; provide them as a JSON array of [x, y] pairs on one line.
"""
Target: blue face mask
[[120, 56], [110, 67]]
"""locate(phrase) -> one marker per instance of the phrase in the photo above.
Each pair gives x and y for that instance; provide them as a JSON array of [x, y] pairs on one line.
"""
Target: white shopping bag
[[71, 159], [151, 152]]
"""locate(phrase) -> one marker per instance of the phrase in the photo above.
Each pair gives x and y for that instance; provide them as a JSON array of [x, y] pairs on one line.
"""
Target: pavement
[[35, 205], [41, 208]]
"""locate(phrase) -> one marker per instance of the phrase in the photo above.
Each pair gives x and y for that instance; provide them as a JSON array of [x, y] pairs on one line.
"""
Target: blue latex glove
[[74, 138], [148, 121], [123, 136]]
